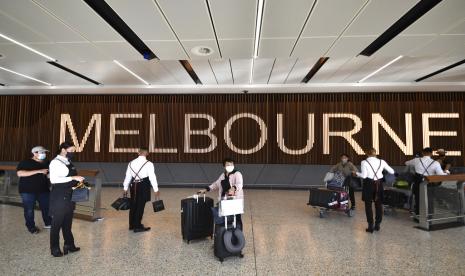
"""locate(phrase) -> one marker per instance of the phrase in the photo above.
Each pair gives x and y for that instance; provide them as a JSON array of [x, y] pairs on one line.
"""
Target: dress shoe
[[377, 227], [369, 229], [34, 230], [56, 253], [143, 229], [70, 248]]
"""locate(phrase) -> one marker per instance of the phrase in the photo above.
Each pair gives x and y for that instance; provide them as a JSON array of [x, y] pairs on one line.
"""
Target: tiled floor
[[284, 237]]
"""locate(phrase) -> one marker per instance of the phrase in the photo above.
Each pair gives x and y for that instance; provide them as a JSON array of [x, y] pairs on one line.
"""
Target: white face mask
[[42, 156], [344, 161], [229, 168]]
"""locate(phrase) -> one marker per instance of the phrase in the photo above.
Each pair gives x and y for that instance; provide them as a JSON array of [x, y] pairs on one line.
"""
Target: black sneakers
[[34, 230]]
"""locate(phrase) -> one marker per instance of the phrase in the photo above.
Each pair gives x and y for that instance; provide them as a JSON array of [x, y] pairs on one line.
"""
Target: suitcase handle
[[196, 196]]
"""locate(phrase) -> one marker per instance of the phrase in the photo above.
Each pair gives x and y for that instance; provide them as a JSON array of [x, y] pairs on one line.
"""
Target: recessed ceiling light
[[27, 47], [202, 51], [25, 76]]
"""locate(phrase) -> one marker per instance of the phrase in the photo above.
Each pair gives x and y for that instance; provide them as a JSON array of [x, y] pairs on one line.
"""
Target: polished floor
[[284, 237]]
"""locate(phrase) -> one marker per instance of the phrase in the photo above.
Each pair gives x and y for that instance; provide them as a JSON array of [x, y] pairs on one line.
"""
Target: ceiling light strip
[[73, 72], [400, 25], [252, 63], [27, 47], [381, 68], [316, 67], [441, 70], [188, 67], [258, 27], [130, 72], [25, 76]]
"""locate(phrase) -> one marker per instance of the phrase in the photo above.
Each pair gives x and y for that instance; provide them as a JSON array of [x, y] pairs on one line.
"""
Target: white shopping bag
[[229, 207], [328, 177]]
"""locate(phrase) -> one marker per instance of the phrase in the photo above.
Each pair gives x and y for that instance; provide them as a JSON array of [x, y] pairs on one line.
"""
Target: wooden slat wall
[[26, 121]]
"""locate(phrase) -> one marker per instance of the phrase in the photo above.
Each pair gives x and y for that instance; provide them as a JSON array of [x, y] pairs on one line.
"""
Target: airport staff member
[[230, 183], [424, 166], [372, 173], [140, 175], [347, 168], [34, 185], [63, 176]]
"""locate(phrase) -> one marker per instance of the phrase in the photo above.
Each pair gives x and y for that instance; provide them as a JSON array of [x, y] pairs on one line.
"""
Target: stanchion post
[[424, 223]]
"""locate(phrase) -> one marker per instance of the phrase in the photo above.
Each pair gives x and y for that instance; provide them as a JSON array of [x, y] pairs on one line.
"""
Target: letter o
[[263, 133]]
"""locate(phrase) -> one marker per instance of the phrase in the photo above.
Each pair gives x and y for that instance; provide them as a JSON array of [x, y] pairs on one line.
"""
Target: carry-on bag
[[196, 217]]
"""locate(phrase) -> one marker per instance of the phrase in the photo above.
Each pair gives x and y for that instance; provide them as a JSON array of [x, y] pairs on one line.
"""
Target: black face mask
[[70, 155]]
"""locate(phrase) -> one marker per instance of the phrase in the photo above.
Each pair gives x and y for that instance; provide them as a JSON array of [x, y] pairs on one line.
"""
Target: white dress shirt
[[429, 166], [59, 171], [147, 171], [367, 171]]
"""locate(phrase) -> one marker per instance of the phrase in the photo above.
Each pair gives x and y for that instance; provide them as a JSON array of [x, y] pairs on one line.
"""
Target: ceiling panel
[[331, 17], [300, 70], [378, 16], [37, 19], [275, 47], [403, 45], [79, 16], [222, 70], [403, 67], [281, 70], [262, 70], [422, 67], [19, 31], [204, 71], [177, 71], [242, 69], [119, 50], [190, 44], [440, 45], [189, 18], [312, 47], [166, 49], [85, 51], [12, 52], [360, 67], [151, 71], [236, 48], [457, 29], [456, 74], [10, 79], [152, 27], [284, 18], [441, 17], [234, 19]]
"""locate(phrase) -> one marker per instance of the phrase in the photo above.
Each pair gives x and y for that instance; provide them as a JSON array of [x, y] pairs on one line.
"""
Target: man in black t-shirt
[[34, 185]]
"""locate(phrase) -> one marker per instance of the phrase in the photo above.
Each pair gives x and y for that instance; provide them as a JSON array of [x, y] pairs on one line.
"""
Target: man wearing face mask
[[229, 183], [63, 176], [346, 168], [34, 186]]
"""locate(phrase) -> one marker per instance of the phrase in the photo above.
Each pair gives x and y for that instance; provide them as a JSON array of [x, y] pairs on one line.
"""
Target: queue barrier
[[89, 210], [442, 202]]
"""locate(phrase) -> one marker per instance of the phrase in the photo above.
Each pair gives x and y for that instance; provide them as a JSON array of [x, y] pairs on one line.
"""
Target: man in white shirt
[[372, 173], [140, 176], [424, 166]]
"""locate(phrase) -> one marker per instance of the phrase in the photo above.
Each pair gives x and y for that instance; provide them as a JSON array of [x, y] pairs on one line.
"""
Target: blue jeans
[[29, 201]]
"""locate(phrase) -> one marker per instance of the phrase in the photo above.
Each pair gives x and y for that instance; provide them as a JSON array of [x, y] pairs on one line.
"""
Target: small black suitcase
[[320, 197], [219, 248], [196, 218], [396, 199]]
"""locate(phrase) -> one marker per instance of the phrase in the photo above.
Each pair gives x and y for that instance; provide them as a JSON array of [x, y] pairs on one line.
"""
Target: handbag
[[158, 205], [122, 204], [231, 206], [80, 192]]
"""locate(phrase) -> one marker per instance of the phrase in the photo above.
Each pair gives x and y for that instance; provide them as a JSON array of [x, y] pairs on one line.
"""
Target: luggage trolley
[[331, 198], [398, 194]]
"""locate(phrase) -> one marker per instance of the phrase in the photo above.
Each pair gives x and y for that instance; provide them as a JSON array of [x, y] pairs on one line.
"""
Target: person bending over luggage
[[140, 175], [445, 162], [229, 183], [424, 166], [346, 168], [372, 173]]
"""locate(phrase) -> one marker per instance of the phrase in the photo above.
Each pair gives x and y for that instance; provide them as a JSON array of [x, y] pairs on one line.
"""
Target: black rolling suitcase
[[395, 199], [196, 218], [323, 198]]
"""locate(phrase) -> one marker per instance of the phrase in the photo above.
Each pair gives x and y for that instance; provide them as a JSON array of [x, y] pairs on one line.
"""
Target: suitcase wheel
[[322, 215], [350, 213], [188, 241], [241, 255], [221, 259]]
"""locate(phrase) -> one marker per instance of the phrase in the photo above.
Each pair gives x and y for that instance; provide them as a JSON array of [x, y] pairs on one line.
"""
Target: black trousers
[[347, 183], [61, 220], [373, 192], [138, 200], [416, 197]]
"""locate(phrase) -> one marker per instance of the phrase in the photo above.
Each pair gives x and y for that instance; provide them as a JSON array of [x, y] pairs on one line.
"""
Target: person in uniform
[[63, 176], [140, 176], [230, 183], [372, 174], [34, 185], [424, 166]]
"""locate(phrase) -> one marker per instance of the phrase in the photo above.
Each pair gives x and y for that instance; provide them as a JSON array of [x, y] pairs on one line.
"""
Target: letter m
[[96, 121]]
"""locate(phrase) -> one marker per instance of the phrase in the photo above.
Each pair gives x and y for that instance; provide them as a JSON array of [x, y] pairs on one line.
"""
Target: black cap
[[428, 150], [65, 145]]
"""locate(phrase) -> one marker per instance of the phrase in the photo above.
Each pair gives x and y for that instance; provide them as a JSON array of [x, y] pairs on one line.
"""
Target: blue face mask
[[42, 156], [70, 155]]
